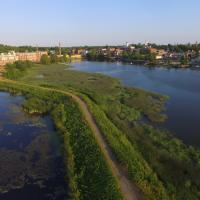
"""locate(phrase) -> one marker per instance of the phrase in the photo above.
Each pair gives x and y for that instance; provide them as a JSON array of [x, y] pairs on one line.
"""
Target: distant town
[[180, 55]]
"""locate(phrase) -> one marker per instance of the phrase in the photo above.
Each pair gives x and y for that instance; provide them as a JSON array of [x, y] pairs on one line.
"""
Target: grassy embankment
[[88, 175], [161, 165]]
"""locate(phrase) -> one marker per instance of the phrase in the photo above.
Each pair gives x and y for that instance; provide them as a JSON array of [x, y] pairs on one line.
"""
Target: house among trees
[[159, 53]]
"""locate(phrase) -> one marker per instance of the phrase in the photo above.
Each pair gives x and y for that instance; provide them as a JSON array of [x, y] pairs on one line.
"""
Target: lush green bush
[[54, 58], [142, 56], [177, 165], [17, 69], [94, 178], [45, 60], [129, 114]]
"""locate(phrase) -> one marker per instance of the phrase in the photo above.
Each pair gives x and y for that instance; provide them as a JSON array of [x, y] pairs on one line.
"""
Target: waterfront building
[[12, 57], [160, 53]]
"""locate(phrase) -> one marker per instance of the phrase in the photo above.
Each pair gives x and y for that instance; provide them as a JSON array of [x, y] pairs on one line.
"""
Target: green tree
[[184, 60], [92, 55], [66, 58], [151, 57], [45, 60], [54, 58]]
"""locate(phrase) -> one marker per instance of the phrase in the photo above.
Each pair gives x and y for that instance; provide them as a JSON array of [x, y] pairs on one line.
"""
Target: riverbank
[[117, 111], [155, 63], [181, 85]]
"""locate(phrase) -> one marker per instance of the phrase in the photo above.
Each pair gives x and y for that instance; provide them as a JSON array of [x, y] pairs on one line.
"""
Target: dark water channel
[[31, 162]]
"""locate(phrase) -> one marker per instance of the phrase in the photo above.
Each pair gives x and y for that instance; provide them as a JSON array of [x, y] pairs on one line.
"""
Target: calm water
[[182, 85], [31, 165]]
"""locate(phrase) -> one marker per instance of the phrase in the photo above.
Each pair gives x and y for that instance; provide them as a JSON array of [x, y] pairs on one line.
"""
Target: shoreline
[[166, 86], [122, 131], [144, 63]]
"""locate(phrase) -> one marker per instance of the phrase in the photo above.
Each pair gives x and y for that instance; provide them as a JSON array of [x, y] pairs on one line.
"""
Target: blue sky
[[98, 22]]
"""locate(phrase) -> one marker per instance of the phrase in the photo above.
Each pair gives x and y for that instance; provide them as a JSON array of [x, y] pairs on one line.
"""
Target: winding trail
[[128, 189]]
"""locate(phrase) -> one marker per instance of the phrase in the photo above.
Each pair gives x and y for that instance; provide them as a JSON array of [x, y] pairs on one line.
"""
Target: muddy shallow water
[[31, 165]]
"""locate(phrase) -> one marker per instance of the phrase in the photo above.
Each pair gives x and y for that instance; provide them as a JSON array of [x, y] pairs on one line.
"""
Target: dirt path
[[128, 190]]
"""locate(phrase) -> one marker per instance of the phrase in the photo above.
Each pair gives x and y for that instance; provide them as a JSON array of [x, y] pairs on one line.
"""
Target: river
[[32, 165], [181, 85]]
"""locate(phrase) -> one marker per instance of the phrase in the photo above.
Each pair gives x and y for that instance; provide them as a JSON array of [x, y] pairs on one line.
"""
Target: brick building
[[11, 57]]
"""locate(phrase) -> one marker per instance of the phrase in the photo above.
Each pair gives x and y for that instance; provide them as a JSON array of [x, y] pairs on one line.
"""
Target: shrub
[[45, 60]]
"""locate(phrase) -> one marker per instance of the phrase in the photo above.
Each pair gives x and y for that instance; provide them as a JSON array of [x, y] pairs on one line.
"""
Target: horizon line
[[97, 45]]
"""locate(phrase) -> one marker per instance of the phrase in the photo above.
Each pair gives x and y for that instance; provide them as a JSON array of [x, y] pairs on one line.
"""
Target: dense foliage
[[94, 178], [179, 48], [138, 169], [53, 58], [17, 69], [94, 55], [45, 60], [177, 165], [7, 48], [153, 152], [131, 57]]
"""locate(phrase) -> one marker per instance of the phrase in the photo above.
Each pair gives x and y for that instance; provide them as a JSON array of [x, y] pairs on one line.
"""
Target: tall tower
[[37, 54], [60, 51]]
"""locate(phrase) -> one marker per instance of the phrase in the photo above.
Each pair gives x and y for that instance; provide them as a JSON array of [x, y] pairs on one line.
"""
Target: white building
[[8, 58]]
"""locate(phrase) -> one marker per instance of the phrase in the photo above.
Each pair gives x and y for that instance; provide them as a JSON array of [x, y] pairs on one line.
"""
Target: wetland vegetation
[[87, 172], [31, 162], [162, 166]]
